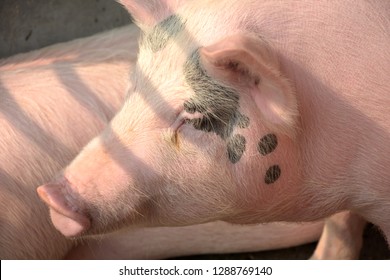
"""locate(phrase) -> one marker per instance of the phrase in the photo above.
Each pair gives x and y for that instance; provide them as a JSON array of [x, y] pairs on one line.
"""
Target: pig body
[[210, 238], [267, 111], [53, 101]]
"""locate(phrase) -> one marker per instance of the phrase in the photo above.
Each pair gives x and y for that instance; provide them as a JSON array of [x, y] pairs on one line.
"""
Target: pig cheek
[[274, 177], [197, 202], [131, 207], [195, 179], [258, 173], [117, 193]]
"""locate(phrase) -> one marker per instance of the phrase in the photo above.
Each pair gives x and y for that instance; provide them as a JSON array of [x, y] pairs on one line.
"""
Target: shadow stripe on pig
[[45, 121]]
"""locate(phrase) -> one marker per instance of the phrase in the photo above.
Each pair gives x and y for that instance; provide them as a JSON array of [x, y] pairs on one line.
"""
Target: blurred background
[[32, 24]]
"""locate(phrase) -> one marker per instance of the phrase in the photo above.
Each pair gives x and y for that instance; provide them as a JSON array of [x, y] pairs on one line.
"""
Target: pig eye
[[203, 124]]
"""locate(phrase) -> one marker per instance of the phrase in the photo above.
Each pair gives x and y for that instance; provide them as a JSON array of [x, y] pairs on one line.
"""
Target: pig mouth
[[64, 218]]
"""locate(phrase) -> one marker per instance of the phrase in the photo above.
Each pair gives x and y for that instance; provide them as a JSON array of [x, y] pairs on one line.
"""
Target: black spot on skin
[[267, 144], [236, 147], [170, 27], [272, 174]]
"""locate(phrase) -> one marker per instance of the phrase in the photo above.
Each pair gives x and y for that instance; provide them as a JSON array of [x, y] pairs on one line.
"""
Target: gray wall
[[31, 24]]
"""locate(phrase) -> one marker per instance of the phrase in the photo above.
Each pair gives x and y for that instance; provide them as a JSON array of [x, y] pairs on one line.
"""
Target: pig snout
[[68, 219], [95, 194]]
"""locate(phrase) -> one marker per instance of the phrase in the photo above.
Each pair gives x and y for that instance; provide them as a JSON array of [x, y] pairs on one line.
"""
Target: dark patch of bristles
[[218, 103], [267, 144], [160, 35], [236, 147], [272, 174]]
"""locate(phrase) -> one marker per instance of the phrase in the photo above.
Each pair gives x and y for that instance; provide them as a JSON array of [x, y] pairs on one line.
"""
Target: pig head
[[211, 130]]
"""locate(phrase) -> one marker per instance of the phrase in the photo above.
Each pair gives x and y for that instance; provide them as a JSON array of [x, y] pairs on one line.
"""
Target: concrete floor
[[31, 24]]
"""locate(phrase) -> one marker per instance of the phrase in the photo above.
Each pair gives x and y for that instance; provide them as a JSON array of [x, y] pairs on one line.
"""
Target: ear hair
[[245, 61]]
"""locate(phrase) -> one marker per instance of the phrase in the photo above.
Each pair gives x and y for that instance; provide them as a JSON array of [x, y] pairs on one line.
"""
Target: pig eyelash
[[200, 121], [203, 124], [206, 122]]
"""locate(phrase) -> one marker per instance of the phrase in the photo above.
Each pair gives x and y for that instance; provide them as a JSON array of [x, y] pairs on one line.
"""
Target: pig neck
[[343, 144], [338, 148], [341, 167]]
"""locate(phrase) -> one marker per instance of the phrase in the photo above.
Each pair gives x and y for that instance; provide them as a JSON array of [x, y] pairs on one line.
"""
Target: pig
[[241, 111], [53, 101]]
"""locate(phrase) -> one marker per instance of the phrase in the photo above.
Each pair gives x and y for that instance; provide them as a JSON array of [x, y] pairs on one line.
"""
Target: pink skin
[[302, 72]]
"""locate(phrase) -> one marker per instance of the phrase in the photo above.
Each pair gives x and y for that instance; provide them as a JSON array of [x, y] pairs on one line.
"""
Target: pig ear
[[248, 63], [148, 13]]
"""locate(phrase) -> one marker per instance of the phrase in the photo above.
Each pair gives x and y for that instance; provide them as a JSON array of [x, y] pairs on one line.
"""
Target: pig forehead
[[159, 75], [163, 68], [167, 62], [179, 35], [158, 38], [167, 47], [163, 52], [164, 36]]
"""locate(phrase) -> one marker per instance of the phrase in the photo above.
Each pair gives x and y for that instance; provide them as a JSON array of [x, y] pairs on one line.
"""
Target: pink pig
[[241, 111], [53, 101]]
